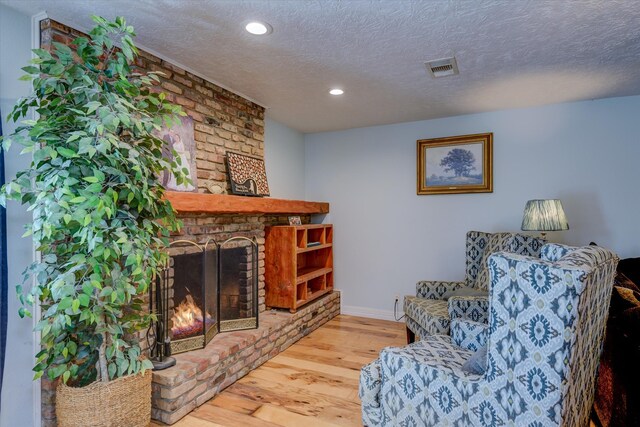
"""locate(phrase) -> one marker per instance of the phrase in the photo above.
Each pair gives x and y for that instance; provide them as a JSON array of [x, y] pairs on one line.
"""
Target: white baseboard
[[372, 313]]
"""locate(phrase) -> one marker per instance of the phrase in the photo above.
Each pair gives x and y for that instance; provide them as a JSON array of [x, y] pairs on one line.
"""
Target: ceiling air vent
[[442, 67]]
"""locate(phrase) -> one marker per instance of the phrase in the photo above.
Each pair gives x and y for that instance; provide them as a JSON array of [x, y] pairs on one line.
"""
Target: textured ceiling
[[510, 54]]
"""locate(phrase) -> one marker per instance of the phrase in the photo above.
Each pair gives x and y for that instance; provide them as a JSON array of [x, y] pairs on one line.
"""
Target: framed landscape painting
[[456, 164]]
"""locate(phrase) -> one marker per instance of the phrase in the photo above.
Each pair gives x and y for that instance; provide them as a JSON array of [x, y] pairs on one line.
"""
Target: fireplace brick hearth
[[200, 375]]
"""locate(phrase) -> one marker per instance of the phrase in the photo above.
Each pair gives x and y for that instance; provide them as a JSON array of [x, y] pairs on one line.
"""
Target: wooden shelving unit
[[298, 264]]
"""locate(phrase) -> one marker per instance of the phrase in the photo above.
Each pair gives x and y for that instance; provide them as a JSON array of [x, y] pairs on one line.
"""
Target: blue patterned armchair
[[433, 307], [543, 340]]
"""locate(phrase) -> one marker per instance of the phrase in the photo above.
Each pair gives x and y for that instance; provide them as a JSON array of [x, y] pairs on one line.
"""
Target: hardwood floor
[[312, 383]]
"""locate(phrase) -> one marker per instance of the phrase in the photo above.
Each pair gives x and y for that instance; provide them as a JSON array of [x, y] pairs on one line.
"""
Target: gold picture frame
[[455, 164]]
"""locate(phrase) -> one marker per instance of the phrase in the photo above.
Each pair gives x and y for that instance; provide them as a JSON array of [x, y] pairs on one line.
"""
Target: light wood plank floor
[[313, 383]]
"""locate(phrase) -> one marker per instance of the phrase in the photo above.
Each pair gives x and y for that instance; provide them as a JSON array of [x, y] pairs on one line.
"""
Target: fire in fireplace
[[187, 319]]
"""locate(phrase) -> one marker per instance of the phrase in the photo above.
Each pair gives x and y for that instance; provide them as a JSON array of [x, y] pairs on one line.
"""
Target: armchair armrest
[[432, 289], [369, 390], [468, 334], [472, 308]]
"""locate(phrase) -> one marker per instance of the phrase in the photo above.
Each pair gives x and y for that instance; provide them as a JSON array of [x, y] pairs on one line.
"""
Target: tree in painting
[[459, 161]]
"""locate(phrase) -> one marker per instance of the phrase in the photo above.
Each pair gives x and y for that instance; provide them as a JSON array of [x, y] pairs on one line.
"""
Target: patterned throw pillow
[[477, 363]]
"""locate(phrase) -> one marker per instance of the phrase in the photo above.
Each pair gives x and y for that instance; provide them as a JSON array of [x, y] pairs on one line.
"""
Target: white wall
[[387, 238], [17, 398], [284, 160]]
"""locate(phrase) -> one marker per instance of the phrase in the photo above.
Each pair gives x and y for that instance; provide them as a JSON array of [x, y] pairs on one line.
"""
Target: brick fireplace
[[223, 121]]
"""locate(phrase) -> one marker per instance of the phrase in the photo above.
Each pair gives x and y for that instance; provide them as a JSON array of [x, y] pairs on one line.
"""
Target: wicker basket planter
[[122, 402]]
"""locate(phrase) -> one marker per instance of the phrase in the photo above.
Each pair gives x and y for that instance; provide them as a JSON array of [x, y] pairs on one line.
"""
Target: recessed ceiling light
[[336, 92], [258, 28]]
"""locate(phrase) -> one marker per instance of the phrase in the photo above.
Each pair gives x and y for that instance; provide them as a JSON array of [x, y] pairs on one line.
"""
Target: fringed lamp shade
[[544, 215]]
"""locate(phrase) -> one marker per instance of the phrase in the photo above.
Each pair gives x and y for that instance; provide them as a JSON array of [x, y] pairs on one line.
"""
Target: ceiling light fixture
[[258, 28], [336, 92]]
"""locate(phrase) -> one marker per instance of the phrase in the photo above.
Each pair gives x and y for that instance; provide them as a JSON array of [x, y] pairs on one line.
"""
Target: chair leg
[[411, 337]]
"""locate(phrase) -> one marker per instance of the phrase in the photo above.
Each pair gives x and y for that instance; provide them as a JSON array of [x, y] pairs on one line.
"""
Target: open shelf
[[296, 272], [305, 274], [314, 248]]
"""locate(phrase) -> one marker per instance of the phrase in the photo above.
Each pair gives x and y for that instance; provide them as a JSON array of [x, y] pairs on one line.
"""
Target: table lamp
[[544, 215]]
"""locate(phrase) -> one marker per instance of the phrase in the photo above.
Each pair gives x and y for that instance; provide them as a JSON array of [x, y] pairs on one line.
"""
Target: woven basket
[[124, 402]]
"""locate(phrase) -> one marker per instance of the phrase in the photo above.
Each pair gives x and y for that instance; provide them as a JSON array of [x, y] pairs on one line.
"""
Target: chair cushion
[[466, 291], [432, 315], [434, 352]]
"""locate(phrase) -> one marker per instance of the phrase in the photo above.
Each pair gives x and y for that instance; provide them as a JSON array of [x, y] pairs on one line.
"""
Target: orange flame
[[186, 315]]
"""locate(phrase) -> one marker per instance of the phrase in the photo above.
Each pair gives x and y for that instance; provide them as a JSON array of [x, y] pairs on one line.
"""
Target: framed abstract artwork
[[247, 175], [455, 164], [179, 141]]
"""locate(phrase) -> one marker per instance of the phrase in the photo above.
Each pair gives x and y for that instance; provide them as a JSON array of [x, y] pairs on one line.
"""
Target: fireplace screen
[[238, 269], [205, 289], [193, 295]]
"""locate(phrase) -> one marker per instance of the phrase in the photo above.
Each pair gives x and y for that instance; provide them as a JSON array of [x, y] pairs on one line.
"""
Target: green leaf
[[92, 106], [112, 370], [84, 300], [66, 152], [31, 70], [65, 303], [106, 291], [62, 48]]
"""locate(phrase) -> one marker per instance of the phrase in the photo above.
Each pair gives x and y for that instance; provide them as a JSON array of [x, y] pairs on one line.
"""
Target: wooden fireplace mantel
[[223, 204]]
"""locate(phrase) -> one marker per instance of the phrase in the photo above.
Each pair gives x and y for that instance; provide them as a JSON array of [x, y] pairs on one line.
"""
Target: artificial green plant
[[100, 221]]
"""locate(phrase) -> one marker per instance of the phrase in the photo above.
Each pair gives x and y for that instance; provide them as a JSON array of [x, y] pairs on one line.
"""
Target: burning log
[[187, 319]]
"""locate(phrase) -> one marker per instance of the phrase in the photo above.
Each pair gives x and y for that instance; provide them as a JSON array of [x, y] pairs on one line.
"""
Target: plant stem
[[103, 373]]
